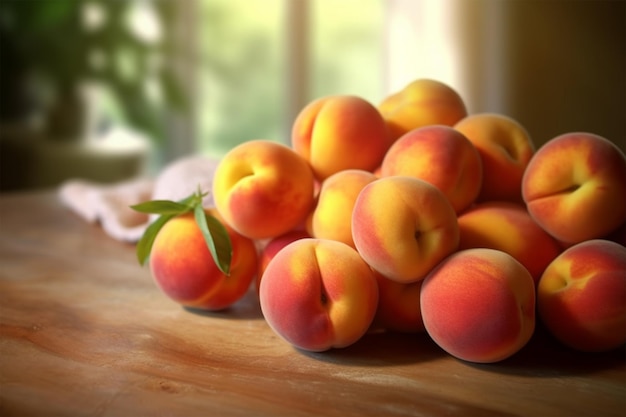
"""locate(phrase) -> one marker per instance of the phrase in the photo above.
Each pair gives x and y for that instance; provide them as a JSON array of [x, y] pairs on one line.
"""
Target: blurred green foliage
[[239, 57], [49, 43]]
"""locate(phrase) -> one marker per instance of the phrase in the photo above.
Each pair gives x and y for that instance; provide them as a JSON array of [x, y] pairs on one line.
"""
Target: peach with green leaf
[[194, 258]]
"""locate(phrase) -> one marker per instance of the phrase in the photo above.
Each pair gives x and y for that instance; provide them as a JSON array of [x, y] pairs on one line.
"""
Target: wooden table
[[85, 332]]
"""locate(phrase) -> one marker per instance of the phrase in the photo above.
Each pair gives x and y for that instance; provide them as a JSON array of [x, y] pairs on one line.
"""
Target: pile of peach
[[415, 216]]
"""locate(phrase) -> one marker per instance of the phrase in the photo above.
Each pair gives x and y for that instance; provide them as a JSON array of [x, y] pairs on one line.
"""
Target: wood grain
[[85, 332]]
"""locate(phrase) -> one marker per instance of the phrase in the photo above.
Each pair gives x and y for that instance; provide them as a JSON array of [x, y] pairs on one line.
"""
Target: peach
[[318, 294], [403, 226], [273, 246], [574, 187], [479, 305], [421, 103], [263, 189], [441, 156], [508, 227], [183, 268], [505, 148], [581, 296], [332, 216], [341, 132], [399, 306]]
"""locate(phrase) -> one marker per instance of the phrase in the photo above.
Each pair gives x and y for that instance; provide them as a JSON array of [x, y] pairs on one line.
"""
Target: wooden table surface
[[85, 332]]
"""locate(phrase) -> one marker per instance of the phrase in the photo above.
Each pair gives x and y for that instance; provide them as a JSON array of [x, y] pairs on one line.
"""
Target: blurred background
[[109, 89]]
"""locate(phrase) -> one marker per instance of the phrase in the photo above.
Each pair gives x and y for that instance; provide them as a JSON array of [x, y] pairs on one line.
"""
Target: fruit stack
[[410, 216]]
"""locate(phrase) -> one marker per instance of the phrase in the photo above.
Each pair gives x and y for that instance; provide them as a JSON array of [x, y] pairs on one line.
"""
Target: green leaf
[[167, 209], [161, 207], [213, 231], [144, 246], [216, 237]]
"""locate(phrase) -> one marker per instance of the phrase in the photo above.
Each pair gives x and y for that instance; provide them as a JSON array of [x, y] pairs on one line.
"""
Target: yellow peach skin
[[574, 187], [421, 103], [318, 294], [403, 226], [332, 216], [479, 305], [581, 296], [508, 227], [505, 148], [441, 156], [335, 133], [263, 189], [183, 268], [273, 246]]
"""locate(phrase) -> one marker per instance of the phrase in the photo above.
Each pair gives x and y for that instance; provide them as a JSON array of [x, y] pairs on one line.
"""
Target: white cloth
[[109, 204]]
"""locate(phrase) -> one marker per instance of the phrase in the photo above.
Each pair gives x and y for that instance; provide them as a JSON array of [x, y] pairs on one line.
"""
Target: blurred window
[[263, 60]]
